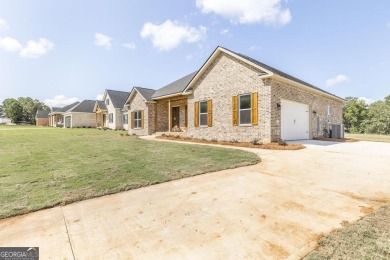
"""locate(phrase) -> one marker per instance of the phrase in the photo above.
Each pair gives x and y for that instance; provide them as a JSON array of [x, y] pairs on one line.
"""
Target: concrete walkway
[[274, 210]]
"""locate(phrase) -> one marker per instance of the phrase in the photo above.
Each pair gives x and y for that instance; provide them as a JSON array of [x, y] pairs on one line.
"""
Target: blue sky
[[60, 51]]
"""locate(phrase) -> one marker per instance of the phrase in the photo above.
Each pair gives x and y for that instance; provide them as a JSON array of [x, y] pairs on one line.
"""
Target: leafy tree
[[23, 109], [378, 117], [13, 110], [354, 114], [2, 113]]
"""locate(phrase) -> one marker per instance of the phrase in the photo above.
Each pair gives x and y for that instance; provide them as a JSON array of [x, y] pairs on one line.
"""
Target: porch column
[[169, 116], [96, 120]]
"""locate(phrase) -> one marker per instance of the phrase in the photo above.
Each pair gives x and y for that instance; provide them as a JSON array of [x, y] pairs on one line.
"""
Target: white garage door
[[295, 120]]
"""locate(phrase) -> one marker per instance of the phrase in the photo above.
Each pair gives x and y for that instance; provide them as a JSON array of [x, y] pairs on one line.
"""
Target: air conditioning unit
[[338, 131]]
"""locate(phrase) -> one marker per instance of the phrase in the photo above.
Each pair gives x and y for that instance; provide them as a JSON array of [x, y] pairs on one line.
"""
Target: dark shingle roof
[[42, 113], [66, 108], [54, 109], [118, 98], [147, 93], [86, 106], [280, 73], [102, 104], [177, 86]]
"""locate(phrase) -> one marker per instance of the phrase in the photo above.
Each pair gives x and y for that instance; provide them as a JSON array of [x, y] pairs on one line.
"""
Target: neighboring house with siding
[[42, 117], [81, 115], [56, 116], [115, 113], [234, 97]]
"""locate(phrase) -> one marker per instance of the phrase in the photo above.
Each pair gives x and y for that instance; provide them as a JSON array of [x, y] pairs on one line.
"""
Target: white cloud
[[254, 47], [60, 101], [35, 49], [103, 41], [269, 12], [224, 31], [3, 25], [336, 80], [99, 97], [130, 45], [10, 44], [367, 100], [170, 34]]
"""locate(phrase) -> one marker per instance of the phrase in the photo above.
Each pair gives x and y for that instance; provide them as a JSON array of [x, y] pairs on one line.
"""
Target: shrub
[[214, 140], [177, 136], [256, 141], [204, 139], [163, 135], [282, 142], [121, 134], [234, 141], [127, 134]]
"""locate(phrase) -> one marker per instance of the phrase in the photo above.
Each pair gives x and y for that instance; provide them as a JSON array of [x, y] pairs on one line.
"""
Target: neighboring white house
[[116, 114], [4, 120]]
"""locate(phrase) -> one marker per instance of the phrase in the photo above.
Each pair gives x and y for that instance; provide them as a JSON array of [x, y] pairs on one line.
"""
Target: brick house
[[233, 96], [56, 116], [111, 112], [81, 115], [42, 117]]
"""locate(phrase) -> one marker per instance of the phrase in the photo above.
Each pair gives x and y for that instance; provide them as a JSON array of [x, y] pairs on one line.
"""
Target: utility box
[[338, 131]]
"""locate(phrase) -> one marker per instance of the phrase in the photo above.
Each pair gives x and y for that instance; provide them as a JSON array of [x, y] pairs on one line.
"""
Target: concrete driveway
[[274, 210]]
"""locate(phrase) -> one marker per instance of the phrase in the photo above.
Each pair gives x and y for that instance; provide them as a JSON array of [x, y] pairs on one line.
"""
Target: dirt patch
[[276, 250], [366, 210], [269, 146], [342, 140]]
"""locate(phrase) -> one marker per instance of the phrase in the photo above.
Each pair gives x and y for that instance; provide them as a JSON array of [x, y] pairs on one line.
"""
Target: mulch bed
[[269, 146], [344, 140]]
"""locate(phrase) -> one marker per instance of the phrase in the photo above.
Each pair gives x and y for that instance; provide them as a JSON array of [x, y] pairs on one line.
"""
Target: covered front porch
[[172, 115], [56, 120], [101, 119]]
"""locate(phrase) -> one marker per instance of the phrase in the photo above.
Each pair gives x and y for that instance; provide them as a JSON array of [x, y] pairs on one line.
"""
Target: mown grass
[[46, 167], [368, 238], [368, 137]]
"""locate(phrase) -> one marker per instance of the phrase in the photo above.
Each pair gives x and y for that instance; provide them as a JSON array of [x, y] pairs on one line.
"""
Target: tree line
[[21, 110], [360, 117]]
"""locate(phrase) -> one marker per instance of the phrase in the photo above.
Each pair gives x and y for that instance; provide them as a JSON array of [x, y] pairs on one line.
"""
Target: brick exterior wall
[[82, 119], [162, 123], [42, 121], [149, 108], [224, 78], [319, 103]]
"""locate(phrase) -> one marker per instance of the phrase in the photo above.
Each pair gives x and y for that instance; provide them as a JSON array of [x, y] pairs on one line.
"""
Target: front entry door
[[175, 117]]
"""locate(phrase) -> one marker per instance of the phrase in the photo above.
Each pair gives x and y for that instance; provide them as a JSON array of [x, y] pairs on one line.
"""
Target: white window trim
[[239, 109], [112, 118], [123, 119], [200, 125], [139, 119]]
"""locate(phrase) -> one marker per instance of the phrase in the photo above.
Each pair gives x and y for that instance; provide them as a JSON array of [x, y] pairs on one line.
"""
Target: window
[[329, 114], [125, 119], [203, 113], [110, 118], [107, 101], [137, 119], [245, 109]]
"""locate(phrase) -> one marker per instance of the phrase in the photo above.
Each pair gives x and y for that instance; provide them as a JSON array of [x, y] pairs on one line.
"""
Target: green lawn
[[368, 137], [368, 238], [44, 167]]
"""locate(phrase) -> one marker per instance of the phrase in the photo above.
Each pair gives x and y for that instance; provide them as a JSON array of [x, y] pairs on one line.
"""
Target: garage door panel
[[294, 120]]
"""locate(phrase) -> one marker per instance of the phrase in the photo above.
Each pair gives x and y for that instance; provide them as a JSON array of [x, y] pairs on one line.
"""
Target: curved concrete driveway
[[274, 210]]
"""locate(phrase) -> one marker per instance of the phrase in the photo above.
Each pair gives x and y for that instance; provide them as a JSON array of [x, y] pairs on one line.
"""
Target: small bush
[[234, 141], [89, 127], [83, 126], [256, 141], [214, 140], [163, 135], [127, 134], [282, 142], [121, 134], [204, 139], [188, 138], [177, 136]]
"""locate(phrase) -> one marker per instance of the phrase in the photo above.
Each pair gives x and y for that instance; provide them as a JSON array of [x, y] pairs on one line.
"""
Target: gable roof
[[85, 106], [118, 98], [54, 109], [175, 87], [147, 93], [267, 71], [101, 104], [42, 113], [65, 108]]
